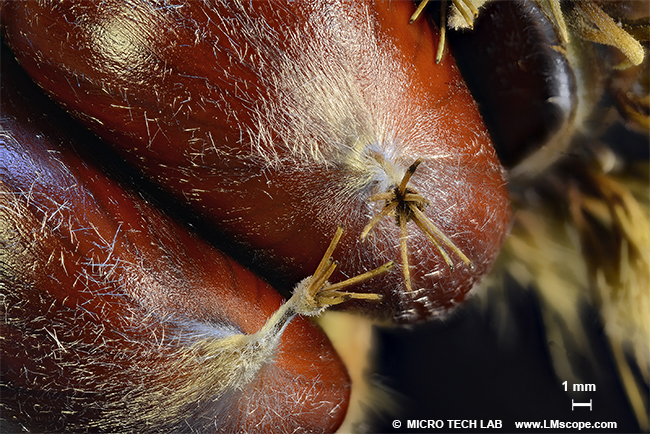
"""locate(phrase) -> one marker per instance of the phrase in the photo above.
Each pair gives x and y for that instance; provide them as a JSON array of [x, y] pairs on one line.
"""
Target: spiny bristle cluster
[[315, 293], [405, 204]]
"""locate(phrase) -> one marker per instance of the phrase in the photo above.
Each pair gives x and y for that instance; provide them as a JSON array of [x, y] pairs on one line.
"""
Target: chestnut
[[280, 122], [117, 318]]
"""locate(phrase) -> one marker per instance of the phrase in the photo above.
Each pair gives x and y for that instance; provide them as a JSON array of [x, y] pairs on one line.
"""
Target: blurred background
[[568, 298]]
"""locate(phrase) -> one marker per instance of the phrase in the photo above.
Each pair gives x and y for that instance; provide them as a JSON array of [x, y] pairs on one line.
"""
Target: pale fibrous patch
[[232, 361], [333, 105], [405, 204], [167, 370], [329, 101]]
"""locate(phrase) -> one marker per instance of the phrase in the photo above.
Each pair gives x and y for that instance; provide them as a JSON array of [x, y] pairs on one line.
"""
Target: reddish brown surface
[[101, 292], [200, 101]]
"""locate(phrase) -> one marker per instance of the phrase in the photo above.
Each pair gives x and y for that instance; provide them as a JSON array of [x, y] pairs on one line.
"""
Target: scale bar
[[581, 404]]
